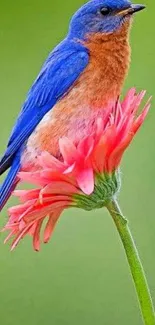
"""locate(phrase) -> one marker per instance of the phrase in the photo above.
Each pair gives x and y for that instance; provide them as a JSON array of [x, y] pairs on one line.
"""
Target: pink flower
[[86, 177]]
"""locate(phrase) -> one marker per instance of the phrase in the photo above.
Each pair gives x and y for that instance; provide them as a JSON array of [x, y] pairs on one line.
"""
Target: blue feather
[[10, 182]]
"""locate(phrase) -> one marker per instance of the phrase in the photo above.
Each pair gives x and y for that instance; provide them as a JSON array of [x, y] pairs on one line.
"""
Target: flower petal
[[27, 195], [68, 151], [20, 235], [140, 119], [86, 146], [53, 218], [85, 180], [36, 236], [129, 98], [46, 161], [59, 187], [100, 152]]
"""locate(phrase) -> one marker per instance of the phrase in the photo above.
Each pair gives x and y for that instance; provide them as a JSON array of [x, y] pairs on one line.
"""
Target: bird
[[82, 76]]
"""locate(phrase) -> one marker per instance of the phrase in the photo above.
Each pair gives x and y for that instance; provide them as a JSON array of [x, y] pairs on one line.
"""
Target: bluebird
[[80, 77]]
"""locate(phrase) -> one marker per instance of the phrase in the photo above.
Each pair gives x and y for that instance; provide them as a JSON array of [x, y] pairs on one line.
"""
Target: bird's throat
[[109, 65]]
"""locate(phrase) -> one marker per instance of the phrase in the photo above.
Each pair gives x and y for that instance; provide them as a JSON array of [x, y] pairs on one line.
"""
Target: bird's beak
[[131, 10]]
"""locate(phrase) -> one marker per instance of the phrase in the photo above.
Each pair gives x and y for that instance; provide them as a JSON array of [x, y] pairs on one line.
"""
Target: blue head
[[101, 16]]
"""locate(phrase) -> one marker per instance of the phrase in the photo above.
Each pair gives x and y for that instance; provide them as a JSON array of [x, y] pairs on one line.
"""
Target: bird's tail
[[9, 183]]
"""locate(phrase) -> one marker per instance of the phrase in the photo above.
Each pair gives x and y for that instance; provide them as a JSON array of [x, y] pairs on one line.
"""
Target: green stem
[[134, 263]]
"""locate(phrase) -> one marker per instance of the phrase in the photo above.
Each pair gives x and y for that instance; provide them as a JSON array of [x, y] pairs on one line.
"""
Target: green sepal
[[106, 188]]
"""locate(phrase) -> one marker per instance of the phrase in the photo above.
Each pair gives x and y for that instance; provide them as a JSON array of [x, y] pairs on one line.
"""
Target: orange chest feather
[[103, 78]]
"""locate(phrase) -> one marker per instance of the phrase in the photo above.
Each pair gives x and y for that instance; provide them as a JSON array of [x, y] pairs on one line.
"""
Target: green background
[[82, 276]]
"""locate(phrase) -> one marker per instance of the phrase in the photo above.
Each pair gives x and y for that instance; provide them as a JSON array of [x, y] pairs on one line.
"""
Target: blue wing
[[62, 68]]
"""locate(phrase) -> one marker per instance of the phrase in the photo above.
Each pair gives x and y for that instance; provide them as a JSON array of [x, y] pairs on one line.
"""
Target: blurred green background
[[82, 276]]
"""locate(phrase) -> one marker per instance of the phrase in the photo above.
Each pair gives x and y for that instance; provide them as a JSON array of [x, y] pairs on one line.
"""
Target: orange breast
[[100, 83]]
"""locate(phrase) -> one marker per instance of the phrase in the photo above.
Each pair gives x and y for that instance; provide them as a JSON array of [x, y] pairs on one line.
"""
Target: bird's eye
[[105, 11]]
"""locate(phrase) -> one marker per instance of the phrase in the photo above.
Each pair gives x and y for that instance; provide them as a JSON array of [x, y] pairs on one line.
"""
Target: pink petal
[[99, 128], [86, 146], [116, 156], [139, 121], [68, 151], [69, 169], [43, 211], [137, 101], [19, 236], [98, 159], [36, 236], [46, 161], [9, 236], [33, 178], [59, 187], [51, 198], [53, 218], [107, 113], [19, 209], [49, 177], [85, 180], [109, 140], [129, 98], [26, 195]]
